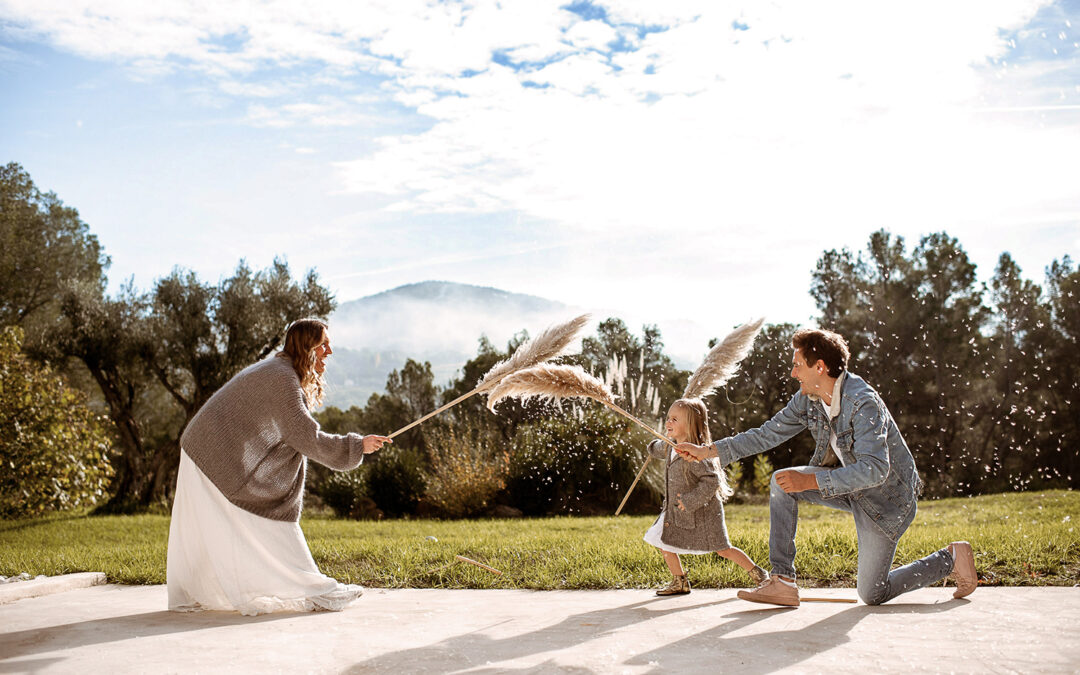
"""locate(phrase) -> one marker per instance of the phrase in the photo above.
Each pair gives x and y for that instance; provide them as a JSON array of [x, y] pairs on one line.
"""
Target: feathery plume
[[723, 360], [552, 383], [549, 344]]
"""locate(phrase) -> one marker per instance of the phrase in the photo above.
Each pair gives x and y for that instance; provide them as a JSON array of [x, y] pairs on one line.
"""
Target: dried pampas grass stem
[[549, 344], [633, 485], [723, 360]]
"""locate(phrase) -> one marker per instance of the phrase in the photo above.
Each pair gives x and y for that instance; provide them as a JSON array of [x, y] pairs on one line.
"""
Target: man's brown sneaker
[[679, 585], [963, 573], [773, 592]]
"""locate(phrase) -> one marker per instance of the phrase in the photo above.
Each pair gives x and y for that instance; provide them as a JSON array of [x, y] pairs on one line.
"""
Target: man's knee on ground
[[872, 594]]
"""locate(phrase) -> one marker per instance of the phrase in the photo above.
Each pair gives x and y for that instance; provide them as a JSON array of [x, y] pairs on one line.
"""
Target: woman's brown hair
[[301, 339]]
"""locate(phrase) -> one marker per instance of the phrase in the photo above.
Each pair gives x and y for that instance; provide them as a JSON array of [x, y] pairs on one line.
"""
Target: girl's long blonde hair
[[301, 339], [697, 427]]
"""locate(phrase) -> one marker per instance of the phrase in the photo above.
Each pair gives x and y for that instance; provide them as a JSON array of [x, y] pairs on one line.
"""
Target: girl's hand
[[373, 443], [678, 501]]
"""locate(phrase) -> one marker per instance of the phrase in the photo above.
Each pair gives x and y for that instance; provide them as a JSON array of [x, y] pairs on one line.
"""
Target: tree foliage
[[158, 357], [53, 449], [43, 245], [981, 380]]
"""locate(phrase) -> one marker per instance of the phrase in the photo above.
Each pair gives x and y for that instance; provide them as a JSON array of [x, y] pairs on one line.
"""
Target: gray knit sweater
[[253, 435]]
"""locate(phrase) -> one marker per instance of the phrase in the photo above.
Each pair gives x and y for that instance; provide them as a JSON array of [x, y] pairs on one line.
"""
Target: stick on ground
[[478, 564], [828, 600]]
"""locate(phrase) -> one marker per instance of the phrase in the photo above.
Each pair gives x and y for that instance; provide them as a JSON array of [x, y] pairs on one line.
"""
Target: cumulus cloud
[[761, 120]]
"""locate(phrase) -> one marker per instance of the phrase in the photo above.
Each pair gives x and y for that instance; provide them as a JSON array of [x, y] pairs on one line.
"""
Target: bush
[[763, 471], [466, 470], [390, 482], [345, 492], [394, 478], [581, 463], [53, 449], [734, 476]]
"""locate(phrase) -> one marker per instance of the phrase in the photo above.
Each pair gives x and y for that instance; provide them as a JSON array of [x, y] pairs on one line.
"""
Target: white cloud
[[325, 112], [742, 129]]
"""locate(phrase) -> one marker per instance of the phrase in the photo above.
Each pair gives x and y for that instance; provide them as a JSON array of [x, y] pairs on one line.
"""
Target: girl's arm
[[658, 449]]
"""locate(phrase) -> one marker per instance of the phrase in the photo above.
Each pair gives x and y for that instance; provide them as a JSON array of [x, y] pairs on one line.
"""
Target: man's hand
[[695, 452], [791, 480], [373, 443]]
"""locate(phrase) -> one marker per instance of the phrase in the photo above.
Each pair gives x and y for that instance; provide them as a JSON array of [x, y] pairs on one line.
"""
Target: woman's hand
[[678, 501], [695, 452], [374, 443]]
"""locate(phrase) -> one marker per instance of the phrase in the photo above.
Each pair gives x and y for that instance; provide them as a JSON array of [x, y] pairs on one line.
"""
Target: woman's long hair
[[301, 339], [697, 427]]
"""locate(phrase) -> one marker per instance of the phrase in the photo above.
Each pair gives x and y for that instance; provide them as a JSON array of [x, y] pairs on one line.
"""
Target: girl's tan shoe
[[679, 586]]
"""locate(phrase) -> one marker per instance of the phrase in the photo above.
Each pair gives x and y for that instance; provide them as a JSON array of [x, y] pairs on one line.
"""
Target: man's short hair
[[822, 345]]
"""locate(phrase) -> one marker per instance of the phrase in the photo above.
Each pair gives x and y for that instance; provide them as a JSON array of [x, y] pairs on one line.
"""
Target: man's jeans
[[876, 584]]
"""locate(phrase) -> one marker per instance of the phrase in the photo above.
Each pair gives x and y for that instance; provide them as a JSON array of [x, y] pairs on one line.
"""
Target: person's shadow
[[114, 629], [718, 646], [763, 653], [469, 650]]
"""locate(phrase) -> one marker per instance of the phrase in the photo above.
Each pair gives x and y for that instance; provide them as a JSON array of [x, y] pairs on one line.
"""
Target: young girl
[[692, 520]]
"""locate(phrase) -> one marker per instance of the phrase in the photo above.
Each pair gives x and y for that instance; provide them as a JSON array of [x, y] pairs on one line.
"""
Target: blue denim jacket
[[878, 472]]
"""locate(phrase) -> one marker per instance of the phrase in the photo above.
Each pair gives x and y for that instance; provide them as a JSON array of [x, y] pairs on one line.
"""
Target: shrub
[[389, 482], [53, 449], [582, 463], [394, 478], [345, 492], [734, 476], [466, 470], [763, 471]]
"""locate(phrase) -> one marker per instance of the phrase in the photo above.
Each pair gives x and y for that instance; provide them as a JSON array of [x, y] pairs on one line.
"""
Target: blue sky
[[652, 158]]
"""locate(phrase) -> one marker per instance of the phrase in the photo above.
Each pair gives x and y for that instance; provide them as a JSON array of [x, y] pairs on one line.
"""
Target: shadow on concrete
[[113, 629], [28, 666], [474, 650], [761, 653]]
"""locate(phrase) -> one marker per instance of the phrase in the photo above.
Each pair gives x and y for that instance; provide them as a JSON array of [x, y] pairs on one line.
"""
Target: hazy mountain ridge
[[436, 321], [441, 322]]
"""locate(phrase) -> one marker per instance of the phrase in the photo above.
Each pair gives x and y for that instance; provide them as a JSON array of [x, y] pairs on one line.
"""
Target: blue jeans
[[876, 583]]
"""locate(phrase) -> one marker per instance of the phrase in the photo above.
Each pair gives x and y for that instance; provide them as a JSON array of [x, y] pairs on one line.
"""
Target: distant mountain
[[436, 321], [441, 322]]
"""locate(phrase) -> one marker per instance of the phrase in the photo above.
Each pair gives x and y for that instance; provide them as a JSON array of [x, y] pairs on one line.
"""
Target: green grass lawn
[[1020, 539]]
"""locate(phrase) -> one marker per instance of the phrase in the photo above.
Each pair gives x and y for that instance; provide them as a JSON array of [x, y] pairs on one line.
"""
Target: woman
[[235, 541]]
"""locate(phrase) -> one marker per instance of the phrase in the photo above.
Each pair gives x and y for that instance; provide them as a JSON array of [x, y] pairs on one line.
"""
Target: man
[[860, 465]]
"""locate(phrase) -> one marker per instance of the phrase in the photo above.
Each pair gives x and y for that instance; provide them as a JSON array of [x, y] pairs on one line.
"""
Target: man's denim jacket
[[878, 473]]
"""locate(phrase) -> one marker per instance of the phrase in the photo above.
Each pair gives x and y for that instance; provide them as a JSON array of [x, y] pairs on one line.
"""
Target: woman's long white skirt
[[223, 558]]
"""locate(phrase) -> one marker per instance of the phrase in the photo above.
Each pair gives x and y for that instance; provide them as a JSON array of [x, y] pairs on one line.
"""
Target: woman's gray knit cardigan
[[253, 435]]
